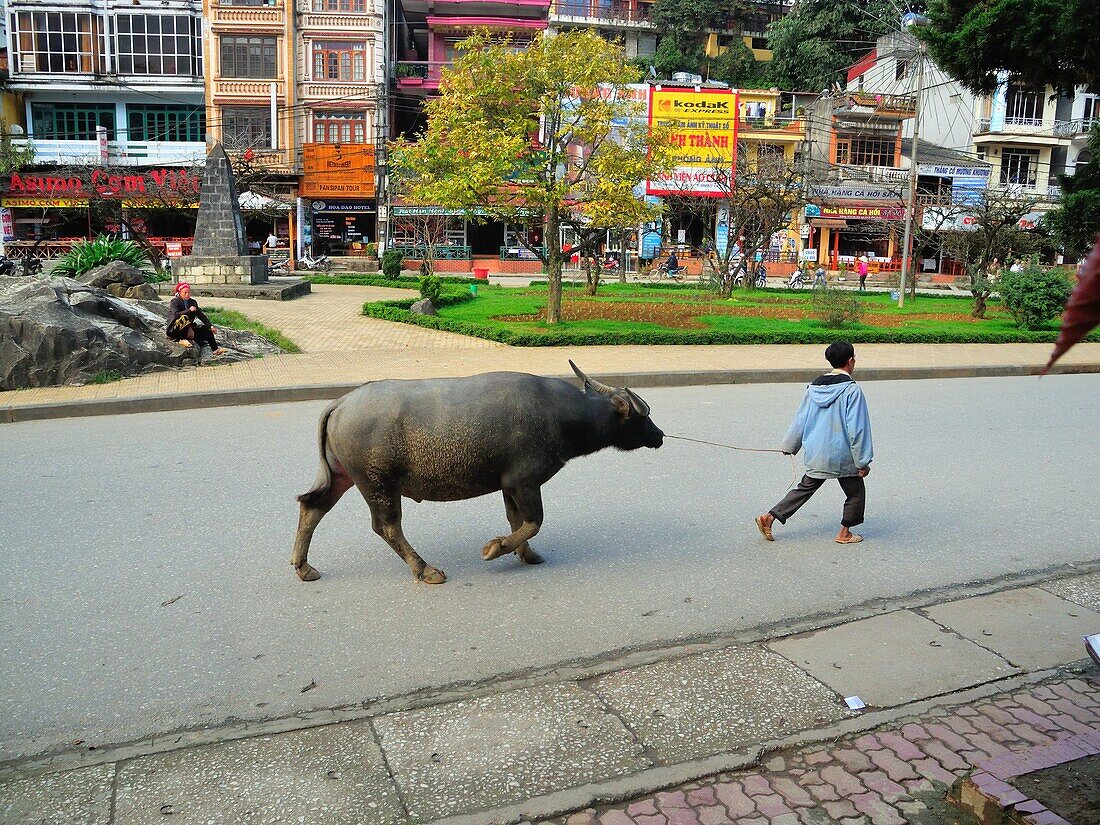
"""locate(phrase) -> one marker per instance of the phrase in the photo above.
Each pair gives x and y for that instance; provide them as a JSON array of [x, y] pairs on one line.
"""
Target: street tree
[[756, 194], [686, 25], [545, 137], [1037, 41], [13, 157], [819, 39], [1076, 221], [996, 229], [427, 229]]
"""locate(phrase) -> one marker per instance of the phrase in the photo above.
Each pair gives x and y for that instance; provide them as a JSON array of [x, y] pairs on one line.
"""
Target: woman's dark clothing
[[202, 332]]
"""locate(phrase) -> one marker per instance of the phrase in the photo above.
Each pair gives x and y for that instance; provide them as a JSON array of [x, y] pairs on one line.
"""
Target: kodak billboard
[[703, 127]]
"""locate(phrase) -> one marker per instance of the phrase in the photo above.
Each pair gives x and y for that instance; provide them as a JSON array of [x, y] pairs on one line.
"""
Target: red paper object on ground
[[1082, 313]]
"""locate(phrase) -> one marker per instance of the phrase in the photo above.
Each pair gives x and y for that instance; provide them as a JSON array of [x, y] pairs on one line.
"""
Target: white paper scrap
[[854, 702]]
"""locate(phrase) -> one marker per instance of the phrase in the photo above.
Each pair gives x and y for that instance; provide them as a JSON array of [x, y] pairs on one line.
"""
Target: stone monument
[[220, 253]]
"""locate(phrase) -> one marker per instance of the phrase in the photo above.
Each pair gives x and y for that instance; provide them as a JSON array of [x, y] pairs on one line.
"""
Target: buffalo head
[[633, 427]]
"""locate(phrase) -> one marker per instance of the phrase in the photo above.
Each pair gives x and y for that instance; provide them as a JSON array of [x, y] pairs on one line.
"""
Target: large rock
[[423, 307], [116, 272], [61, 331]]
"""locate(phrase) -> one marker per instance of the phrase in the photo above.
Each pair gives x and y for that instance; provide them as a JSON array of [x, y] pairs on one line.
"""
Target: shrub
[[836, 307], [372, 250], [391, 263], [431, 288], [1034, 296], [87, 255]]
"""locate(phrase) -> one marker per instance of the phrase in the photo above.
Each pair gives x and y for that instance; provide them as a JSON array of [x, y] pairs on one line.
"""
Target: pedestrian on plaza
[[863, 269], [187, 324], [833, 425], [819, 276]]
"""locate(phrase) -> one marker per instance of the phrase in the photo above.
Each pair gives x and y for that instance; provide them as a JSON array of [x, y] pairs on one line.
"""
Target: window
[[335, 60], [249, 57], [158, 44], [71, 121], [246, 127], [58, 42], [340, 5], [647, 45], [861, 151], [1019, 167], [169, 123], [339, 127], [1092, 108], [1024, 107], [901, 69]]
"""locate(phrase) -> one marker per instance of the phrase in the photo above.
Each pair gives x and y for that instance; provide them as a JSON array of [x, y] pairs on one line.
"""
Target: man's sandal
[[852, 539], [765, 529]]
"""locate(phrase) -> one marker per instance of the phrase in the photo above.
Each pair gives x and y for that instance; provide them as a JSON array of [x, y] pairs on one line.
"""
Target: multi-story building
[[624, 21], [341, 72], [857, 177], [252, 105], [750, 26], [426, 34], [1016, 131], [111, 91]]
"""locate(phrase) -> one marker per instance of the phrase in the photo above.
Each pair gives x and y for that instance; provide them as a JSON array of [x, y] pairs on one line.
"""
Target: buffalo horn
[[602, 389], [640, 406]]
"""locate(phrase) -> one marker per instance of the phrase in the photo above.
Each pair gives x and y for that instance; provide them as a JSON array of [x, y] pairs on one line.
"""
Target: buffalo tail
[[323, 482]]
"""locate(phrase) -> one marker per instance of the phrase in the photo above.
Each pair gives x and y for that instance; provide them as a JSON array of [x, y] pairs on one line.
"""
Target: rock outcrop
[[61, 331]]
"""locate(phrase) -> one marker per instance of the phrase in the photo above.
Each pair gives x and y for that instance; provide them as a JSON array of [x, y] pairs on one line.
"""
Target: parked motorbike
[[7, 266]]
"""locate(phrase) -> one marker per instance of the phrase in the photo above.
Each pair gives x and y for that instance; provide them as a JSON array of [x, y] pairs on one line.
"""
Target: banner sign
[[857, 191], [337, 170], [173, 185], [7, 224], [704, 137], [860, 213]]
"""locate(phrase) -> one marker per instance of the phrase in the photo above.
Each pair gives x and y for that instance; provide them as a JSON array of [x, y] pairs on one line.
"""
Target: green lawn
[[231, 319], [647, 314]]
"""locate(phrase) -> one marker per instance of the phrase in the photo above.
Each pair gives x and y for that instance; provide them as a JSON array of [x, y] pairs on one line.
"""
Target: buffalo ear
[[621, 405]]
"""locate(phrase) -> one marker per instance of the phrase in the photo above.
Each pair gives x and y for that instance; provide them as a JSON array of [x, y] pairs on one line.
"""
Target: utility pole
[[911, 200]]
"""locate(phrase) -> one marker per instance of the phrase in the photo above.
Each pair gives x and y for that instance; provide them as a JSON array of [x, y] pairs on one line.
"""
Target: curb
[[13, 414]]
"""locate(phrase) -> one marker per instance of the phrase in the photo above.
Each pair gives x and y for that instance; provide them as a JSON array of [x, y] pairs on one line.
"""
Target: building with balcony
[[341, 72], [750, 26], [426, 36], [112, 88], [857, 177], [624, 21]]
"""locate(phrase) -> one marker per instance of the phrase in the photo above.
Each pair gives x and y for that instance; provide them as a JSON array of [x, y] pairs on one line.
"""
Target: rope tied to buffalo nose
[[794, 466]]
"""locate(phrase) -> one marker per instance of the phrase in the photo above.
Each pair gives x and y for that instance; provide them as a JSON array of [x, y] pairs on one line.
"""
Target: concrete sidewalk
[[549, 743], [343, 349]]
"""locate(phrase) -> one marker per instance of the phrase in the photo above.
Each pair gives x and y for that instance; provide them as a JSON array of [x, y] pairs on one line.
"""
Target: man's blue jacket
[[833, 427]]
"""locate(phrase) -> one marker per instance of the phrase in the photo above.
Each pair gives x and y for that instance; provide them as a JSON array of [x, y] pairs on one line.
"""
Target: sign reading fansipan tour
[[703, 126]]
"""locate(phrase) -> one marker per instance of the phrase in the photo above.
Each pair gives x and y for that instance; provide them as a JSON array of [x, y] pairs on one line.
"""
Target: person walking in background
[[834, 427], [862, 268]]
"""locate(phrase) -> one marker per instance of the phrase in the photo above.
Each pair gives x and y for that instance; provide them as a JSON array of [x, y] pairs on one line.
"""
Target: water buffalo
[[445, 439]]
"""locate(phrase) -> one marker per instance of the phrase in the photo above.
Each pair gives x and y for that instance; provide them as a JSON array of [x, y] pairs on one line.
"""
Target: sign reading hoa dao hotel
[[337, 170], [703, 125]]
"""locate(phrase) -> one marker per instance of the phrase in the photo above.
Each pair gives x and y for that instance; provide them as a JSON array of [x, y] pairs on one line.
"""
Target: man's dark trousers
[[854, 504]]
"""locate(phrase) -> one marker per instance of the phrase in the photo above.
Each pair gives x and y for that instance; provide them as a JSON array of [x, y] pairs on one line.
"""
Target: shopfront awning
[[255, 202], [828, 223]]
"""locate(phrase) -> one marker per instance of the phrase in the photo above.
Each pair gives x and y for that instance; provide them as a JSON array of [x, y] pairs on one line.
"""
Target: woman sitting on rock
[[187, 324]]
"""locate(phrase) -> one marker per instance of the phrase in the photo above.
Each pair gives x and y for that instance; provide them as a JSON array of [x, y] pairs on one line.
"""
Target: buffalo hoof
[[494, 549], [432, 576], [308, 573], [529, 556]]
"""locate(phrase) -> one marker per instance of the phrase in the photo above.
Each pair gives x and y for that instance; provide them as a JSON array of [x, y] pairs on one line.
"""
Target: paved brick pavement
[[890, 777], [343, 347]]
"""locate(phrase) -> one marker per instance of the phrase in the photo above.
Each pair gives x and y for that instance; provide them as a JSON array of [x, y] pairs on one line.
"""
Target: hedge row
[[398, 311], [403, 282]]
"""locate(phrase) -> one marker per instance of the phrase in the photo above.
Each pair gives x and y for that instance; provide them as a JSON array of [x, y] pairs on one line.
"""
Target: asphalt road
[[147, 583]]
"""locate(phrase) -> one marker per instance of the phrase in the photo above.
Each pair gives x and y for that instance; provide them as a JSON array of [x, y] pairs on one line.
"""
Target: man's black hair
[[839, 353]]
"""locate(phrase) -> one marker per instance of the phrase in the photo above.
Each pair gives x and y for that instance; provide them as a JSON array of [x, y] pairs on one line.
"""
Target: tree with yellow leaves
[[549, 136]]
